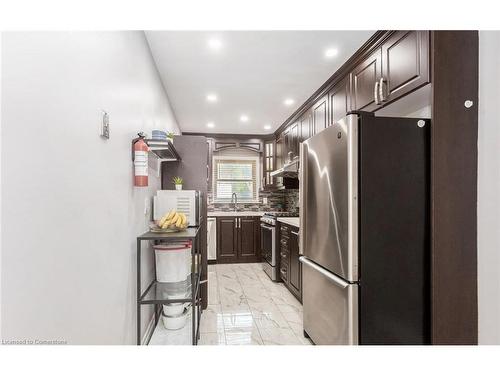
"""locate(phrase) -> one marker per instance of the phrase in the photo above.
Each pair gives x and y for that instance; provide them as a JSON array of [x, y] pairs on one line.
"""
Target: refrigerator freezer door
[[330, 306], [328, 190]]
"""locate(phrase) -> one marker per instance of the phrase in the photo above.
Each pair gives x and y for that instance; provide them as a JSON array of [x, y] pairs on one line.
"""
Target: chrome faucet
[[235, 198]]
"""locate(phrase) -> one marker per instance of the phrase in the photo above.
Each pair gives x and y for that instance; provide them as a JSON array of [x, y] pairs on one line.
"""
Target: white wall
[[489, 188], [70, 212]]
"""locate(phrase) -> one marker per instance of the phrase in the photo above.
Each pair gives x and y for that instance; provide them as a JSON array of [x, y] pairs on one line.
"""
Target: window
[[235, 175]]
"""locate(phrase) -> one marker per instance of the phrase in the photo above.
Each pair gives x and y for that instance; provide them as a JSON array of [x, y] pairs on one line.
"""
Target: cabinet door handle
[[376, 93], [383, 89]]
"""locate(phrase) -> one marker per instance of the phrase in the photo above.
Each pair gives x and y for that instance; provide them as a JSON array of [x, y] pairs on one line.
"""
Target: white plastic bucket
[[172, 261], [175, 322], [173, 309], [178, 290]]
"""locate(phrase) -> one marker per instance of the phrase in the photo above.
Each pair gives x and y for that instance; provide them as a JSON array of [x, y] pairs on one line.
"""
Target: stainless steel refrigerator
[[364, 231]]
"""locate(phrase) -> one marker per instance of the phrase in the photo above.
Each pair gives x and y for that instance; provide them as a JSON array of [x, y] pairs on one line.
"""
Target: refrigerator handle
[[335, 279], [302, 195]]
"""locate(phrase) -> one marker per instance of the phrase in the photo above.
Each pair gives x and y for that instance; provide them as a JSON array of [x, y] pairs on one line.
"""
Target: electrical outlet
[[105, 125]]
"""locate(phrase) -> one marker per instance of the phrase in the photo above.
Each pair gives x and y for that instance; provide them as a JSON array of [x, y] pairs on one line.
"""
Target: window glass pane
[[236, 176], [235, 171], [244, 189]]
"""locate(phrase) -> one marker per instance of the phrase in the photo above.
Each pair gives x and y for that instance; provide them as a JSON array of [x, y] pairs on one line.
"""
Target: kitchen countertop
[[293, 221], [234, 213]]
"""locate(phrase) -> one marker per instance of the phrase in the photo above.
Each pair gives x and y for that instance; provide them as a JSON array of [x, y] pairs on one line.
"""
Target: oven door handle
[[265, 226]]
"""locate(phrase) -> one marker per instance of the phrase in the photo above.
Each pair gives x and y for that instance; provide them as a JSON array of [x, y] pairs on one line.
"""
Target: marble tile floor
[[244, 308]]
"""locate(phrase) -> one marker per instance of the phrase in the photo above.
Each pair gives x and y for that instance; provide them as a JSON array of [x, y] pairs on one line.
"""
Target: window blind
[[235, 176]]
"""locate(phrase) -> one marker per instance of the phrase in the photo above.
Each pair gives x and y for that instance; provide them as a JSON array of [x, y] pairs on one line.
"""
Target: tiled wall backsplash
[[280, 200], [292, 201]]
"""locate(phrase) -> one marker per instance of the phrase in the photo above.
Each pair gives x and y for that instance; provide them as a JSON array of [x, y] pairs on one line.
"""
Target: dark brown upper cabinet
[[290, 142], [405, 64], [339, 100], [320, 114], [392, 65], [364, 82], [269, 162], [293, 139], [305, 126], [278, 159], [286, 146]]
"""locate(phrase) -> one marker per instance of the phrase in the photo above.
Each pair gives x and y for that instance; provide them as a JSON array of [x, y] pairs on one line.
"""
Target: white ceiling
[[252, 74]]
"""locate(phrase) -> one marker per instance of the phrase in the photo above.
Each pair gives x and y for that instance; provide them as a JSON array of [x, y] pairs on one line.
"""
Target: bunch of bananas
[[173, 219]]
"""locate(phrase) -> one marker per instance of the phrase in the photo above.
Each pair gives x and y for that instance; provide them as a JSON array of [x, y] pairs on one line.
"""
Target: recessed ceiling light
[[211, 98], [267, 127], [244, 118], [289, 101], [331, 52], [215, 44], [210, 125]]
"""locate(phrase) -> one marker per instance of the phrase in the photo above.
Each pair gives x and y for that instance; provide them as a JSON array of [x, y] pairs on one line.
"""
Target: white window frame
[[256, 159]]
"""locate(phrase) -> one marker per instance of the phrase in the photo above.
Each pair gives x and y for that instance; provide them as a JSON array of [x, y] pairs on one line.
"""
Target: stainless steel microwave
[[188, 202]]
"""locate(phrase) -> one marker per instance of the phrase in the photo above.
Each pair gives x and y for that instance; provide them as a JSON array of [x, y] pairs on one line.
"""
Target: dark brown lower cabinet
[[290, 266], [238, 239], [249, 239], [295, 267], [227, 244]]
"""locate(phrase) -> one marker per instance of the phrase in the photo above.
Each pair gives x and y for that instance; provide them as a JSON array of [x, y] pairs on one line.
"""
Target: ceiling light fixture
[[215, 44], [244, 118], [331, 52], [211, 98], [267, 127], [289, 101], [210, 125]]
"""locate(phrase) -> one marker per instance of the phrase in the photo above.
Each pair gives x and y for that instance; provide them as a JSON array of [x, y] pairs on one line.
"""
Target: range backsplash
[[292, 201], [280, 200]]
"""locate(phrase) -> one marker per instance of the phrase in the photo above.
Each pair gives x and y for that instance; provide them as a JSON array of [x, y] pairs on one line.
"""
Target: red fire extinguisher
[[141, 162]]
